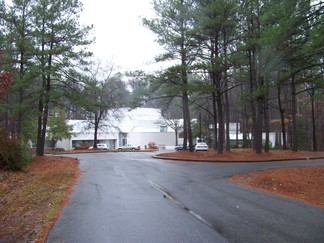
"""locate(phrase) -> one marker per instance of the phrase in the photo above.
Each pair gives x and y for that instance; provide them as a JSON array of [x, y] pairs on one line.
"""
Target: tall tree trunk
[[185, 122], [259, 126], [42, 119], [294, 115], [6, 115], [220, 119], [41, 103], [96, 125], [39, 148], [44, 101], [45, 118], [226, 103], [184, 78], [237, 133], [266, 125], [252, 84], [227, 121], [215, 120], [21, 97], [188, 121], [282, 119], [176, 135], [313, 120]]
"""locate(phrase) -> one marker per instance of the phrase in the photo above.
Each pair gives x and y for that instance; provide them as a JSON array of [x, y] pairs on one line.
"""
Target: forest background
[[254, 62]]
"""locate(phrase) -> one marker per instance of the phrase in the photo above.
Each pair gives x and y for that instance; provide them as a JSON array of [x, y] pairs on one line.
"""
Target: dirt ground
[[30, 201]]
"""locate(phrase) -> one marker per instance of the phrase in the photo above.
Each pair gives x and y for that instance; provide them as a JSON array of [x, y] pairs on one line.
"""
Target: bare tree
[[103, 91]]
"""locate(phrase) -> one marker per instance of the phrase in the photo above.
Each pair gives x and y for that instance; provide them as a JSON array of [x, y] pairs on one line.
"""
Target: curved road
[[131, 197]]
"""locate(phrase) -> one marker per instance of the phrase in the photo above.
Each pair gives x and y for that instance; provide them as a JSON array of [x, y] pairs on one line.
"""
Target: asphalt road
[[131, 197]]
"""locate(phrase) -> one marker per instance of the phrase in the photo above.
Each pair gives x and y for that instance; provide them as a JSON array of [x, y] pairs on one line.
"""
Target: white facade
[[272, 137], [139, 127]]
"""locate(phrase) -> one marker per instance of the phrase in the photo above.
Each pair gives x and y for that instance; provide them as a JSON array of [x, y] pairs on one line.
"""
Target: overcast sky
[[120, 36]]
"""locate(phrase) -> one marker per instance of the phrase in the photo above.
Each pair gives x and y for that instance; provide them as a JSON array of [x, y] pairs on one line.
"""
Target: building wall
[[139, 127], [66, 144], [108, 138], [272, 138], [159, 138]]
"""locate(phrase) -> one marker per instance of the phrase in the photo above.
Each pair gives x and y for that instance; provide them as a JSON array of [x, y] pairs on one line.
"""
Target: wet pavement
[[131, 197]]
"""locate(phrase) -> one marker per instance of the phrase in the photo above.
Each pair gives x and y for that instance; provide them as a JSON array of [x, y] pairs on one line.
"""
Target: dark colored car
[[179, 147]]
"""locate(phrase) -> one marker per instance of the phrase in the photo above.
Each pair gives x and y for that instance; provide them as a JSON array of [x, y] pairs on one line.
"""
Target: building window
[[122, 139], [163, 129]]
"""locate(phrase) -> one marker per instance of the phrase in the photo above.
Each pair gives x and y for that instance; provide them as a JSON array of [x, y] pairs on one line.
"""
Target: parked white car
[[201, 147], [129, 147], [101, 146]]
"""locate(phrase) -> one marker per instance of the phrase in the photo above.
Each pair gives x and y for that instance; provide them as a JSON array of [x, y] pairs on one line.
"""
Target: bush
[[278, 147], [152, 145], [246, 140], [14, 155]]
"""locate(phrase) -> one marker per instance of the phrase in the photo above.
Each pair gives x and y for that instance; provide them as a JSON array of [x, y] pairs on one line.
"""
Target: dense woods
[[41, 42], [254, 62], [258, 63]]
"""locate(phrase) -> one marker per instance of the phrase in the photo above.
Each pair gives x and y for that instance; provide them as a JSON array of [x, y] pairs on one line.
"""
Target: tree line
[[256, 62], [47, 73]]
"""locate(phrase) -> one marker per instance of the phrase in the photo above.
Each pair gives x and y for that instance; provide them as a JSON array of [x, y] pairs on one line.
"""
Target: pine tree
[[19, 53], [173, 28], [60, 42]]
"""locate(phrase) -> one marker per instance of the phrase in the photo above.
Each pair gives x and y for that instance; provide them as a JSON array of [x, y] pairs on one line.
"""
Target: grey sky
[[120, 36]]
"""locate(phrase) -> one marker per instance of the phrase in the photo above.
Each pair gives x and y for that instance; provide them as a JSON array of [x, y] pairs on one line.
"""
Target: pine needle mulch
[[30, 201]]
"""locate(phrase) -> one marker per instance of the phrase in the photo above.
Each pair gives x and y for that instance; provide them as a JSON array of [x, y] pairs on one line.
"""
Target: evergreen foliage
[[14, 155], [43, 41], [253, 56], [255, 62], [58, 129]]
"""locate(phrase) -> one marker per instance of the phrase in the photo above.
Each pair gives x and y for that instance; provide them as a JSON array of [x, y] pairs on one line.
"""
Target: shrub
[[152, 145], [14, 155], [278, 147], [246, 140]]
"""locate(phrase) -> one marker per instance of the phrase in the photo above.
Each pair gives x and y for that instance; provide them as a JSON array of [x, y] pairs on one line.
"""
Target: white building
[[139, 127]]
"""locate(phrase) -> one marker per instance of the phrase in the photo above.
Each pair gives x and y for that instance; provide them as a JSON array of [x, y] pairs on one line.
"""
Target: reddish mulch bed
[[31, 201], [242, 155], [304, 183]]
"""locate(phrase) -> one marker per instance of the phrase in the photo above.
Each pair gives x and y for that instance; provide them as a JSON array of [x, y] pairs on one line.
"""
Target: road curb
[[232, 161]]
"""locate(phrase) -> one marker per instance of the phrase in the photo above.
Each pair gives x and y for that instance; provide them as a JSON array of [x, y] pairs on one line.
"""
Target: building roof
[[124, 120], [140, 120]]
